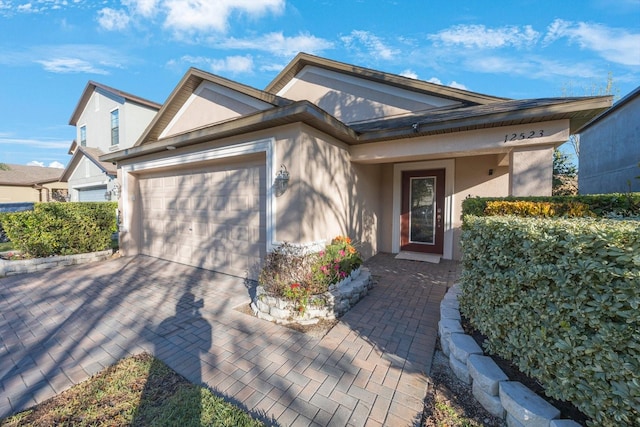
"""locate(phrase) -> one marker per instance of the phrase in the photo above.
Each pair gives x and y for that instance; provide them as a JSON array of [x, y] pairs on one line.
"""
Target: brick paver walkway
[[60, 326]]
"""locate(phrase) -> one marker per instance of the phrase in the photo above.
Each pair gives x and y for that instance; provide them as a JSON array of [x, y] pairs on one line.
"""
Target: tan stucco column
[[531, 171]]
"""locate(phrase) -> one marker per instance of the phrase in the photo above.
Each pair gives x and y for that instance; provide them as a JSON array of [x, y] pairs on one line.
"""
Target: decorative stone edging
[[509, 400], [13, 267], [332, 304]]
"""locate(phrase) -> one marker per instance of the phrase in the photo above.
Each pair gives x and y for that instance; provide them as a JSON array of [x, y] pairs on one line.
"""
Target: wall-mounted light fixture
[[282, 180]]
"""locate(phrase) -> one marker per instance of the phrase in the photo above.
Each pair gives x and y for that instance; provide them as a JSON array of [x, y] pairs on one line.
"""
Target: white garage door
[[211, 216], [93, 194]]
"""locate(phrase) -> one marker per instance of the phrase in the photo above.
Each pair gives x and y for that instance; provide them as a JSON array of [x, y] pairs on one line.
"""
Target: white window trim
[[80, 135], [449, 167], [111, 144], [266, 146]]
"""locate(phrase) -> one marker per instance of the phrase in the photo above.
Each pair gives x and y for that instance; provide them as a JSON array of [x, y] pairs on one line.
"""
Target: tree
[[594, 89], [564, 175]]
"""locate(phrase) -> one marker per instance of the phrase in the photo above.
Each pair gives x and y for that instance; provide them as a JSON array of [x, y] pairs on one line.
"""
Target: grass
[[6, 246], [137, 391]]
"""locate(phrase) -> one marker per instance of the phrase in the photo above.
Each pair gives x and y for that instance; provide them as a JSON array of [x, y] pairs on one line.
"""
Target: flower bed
[[297, 287]]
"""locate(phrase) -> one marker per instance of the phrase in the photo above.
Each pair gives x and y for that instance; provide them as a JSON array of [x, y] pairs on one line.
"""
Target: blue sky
[[49, 49]]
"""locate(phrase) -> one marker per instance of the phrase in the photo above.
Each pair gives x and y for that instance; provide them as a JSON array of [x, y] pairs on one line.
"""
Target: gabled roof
[[625, 100], [92, 154], [475, 111], [23, 175], [304, 59], [91, 87], [189, 83]]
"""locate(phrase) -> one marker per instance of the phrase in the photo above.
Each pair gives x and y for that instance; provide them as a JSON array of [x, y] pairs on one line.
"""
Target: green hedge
[[602, 205], [62, 228], [561, 299]]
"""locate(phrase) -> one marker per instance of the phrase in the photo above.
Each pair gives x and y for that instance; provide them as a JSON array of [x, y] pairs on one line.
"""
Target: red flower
[[295, 285]]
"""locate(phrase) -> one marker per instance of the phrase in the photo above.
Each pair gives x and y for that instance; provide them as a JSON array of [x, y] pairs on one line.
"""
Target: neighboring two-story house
[[610, 149], [106, 120]]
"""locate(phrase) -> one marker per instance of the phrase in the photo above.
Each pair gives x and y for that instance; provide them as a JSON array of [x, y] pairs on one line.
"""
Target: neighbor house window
[[83, 136], [115, 127]]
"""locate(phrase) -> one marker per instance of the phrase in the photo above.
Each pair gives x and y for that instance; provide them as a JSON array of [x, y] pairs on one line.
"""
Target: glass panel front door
[[422, 213]]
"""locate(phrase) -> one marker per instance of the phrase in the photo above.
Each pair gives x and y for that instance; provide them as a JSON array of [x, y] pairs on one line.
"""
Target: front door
[[422, 221]]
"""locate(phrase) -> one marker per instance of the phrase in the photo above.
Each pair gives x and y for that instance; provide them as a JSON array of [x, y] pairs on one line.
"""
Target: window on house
[[83, 136], [115, 127]]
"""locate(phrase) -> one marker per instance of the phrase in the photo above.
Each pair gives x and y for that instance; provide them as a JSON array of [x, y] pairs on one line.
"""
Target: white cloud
[[70, 65], [278, 44], [213, 15], [615, 45], [35, 163], [230, 64], [35, 143], [453, 84], [456, 85], [113, 20], [409, 73], [481, 37], [56, 165], [145, 8], [373, 45], [533, 67]]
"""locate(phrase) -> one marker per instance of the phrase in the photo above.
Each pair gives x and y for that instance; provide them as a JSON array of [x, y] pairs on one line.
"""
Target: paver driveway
[[60, 326]]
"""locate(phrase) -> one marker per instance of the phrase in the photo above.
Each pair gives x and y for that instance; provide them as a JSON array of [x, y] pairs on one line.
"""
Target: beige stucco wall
[[353, 99], [328, 195], [9, 193], [211, 103], [531, 171]]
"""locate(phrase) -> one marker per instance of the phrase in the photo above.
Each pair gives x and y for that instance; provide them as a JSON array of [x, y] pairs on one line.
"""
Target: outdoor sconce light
[[115, 191], [282, 180]]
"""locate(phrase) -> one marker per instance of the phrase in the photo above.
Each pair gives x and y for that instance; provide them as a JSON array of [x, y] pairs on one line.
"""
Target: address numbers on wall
[[531, 134]]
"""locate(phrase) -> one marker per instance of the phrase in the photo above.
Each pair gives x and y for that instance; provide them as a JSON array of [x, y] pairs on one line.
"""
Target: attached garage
[[209, 215], [92, 194]]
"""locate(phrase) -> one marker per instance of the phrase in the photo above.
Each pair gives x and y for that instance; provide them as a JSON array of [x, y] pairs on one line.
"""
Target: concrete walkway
[[60, 326]]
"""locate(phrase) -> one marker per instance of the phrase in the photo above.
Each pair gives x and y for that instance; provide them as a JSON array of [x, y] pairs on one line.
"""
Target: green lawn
[[137, 391], [7, 246]]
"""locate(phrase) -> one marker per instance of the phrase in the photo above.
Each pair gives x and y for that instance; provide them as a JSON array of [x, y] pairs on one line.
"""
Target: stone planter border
[[330, 305], [13, 267], [509, 400]]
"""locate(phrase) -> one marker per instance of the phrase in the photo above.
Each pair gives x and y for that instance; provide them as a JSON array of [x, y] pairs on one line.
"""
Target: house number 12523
[[523, 135]]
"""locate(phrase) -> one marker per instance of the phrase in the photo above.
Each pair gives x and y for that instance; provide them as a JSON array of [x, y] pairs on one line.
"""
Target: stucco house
[[610, 149], [225, 172], [21, 183], [106, 120]]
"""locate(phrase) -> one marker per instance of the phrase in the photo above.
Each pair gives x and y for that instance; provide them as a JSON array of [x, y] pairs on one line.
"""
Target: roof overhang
[[577, 110], [75, 160]]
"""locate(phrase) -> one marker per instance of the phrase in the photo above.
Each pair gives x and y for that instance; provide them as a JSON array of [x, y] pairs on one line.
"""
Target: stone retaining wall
[[332, 304], [13, 267], [510, 400]]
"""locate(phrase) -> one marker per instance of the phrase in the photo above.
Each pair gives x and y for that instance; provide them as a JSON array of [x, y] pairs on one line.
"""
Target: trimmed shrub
[[602, 205], [62, 228], [561, 298], [537, 209]]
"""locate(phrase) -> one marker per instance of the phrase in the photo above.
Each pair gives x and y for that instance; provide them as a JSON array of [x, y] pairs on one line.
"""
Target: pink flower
[[321, 253], [343, 274], [342, 252]]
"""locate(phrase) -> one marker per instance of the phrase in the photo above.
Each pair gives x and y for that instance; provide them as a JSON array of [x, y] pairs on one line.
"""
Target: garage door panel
[[211, 217]]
